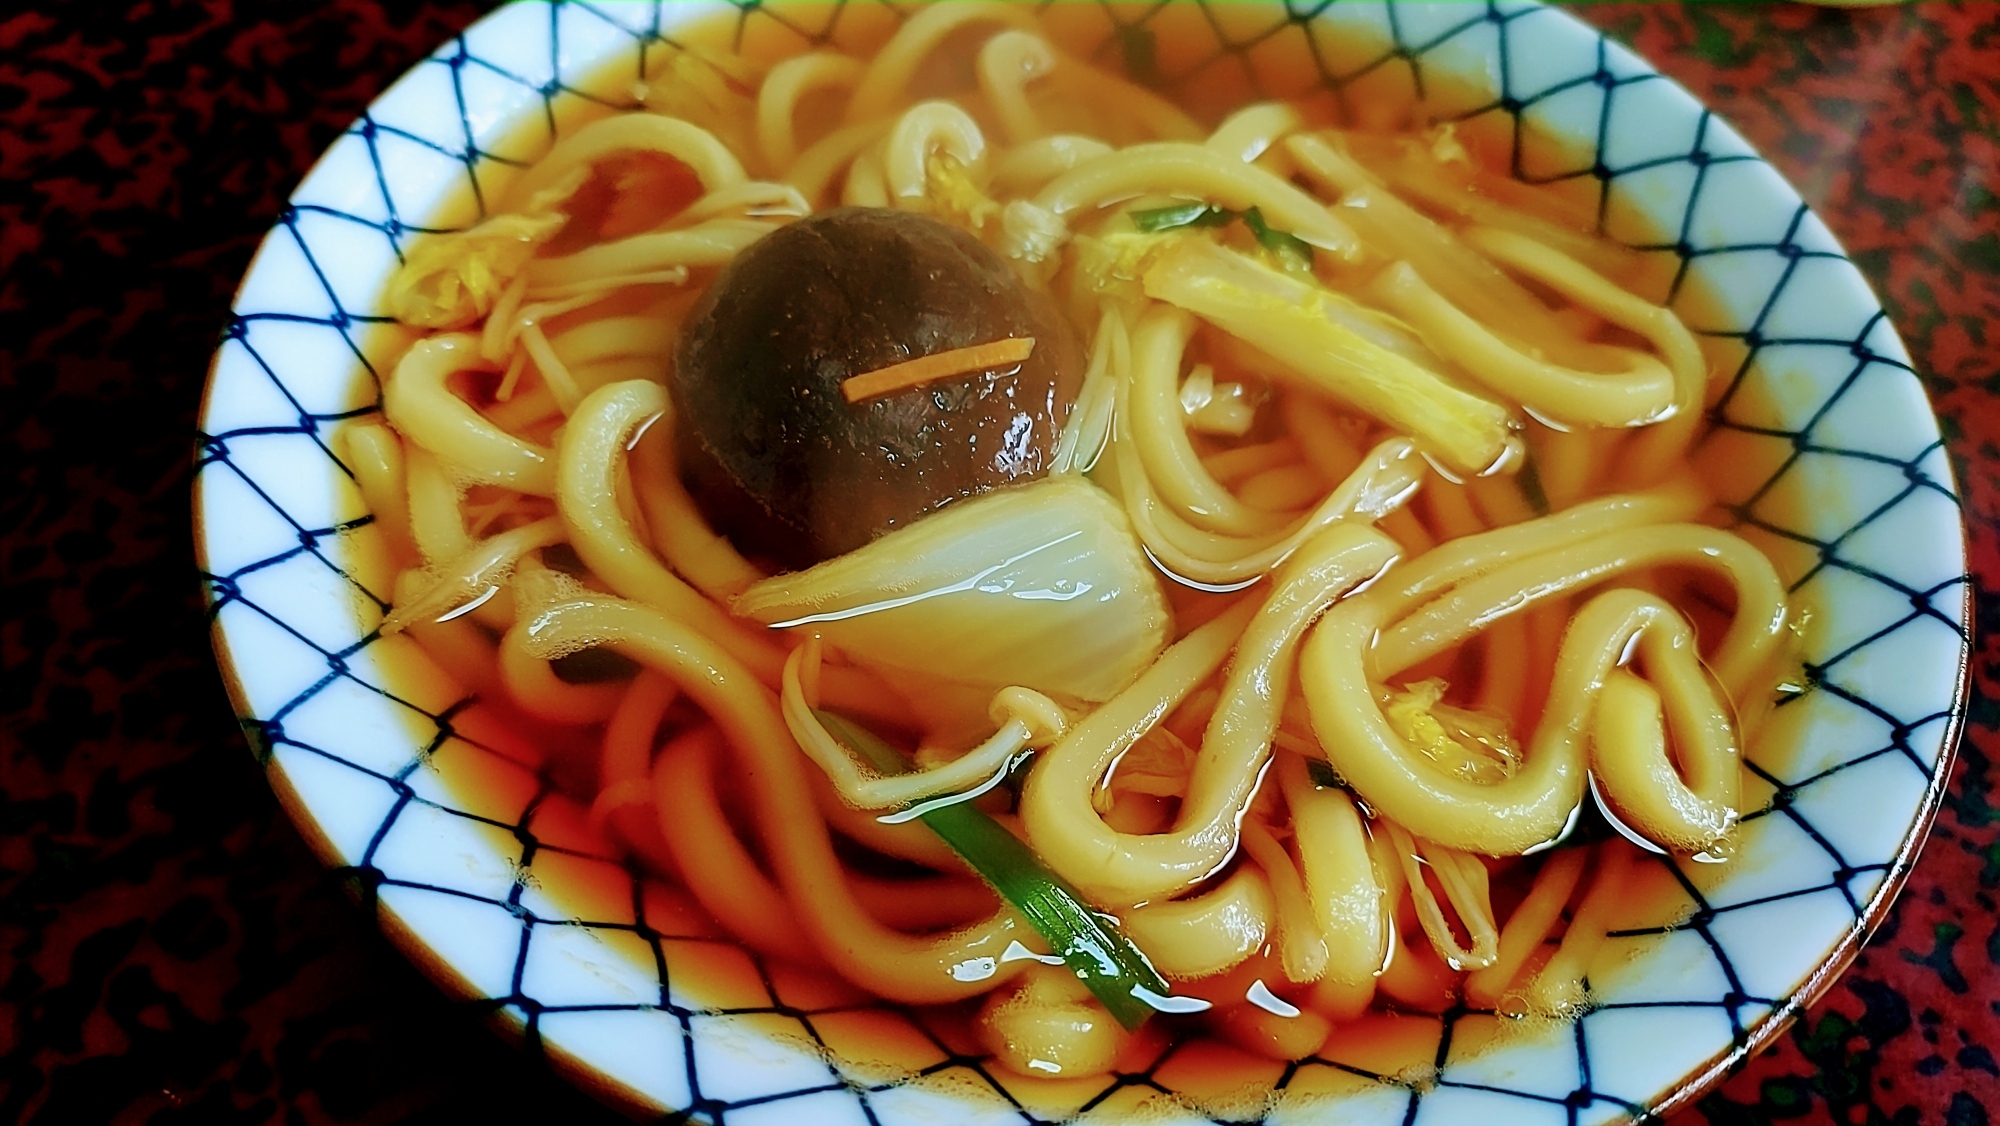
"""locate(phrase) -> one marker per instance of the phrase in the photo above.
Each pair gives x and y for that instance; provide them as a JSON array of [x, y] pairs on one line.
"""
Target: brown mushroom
[[772, 451]]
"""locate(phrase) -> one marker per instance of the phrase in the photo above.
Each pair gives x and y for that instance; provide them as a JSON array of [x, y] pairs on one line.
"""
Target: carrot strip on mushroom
[[936, 366]]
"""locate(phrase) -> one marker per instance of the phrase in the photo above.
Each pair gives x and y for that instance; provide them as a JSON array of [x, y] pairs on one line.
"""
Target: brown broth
[[502, 760]]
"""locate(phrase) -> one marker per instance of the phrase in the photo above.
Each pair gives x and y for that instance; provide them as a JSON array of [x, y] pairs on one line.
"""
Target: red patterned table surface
[[170, 953], [1888, 121]]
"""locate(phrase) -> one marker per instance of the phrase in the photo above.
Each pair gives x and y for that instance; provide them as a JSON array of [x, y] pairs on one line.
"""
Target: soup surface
[[1212, 586]]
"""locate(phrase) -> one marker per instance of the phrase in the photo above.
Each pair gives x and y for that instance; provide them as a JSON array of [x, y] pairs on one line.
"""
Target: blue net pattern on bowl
[[254, 444]]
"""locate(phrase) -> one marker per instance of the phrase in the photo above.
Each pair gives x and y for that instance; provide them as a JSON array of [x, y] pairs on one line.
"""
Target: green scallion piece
[[1182, 215], [1284, 244], [1531, 487], [1324, 775], [1108, 962]]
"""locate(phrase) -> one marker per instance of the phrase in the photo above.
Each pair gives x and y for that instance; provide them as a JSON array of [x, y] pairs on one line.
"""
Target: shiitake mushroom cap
[[772, 452]]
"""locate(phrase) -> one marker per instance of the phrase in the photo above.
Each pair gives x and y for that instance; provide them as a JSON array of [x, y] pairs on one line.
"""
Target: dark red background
[[169, 952]]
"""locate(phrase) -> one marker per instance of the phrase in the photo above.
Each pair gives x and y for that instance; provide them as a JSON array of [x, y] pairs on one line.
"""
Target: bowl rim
[[448, 977], [1840, 958]]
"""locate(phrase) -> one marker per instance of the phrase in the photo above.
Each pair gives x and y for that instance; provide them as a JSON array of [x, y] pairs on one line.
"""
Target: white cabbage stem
[[1042, 586]]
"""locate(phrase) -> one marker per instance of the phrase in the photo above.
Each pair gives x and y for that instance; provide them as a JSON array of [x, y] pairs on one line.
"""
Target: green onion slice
[[1324, 775], [1530, 478], [1182, 215], [1089, 943], [1284, 244]]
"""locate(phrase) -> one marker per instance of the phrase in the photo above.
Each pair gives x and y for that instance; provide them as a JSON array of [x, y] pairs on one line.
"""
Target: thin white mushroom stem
[[1463, 879], [1025, 719], [750, 199], [471, 577]]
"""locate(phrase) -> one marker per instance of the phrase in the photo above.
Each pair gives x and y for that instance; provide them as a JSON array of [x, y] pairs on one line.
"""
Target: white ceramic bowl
[[496, 887]]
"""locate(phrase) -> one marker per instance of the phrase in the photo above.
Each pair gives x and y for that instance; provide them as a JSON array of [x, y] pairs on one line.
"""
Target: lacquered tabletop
[[169, 950]]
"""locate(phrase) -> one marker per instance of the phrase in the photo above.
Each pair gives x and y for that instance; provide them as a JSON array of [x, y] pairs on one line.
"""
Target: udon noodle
[[1386, 465]]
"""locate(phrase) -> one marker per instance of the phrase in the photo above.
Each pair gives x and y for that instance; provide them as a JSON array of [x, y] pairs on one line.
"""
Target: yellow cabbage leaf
[[453, 280]]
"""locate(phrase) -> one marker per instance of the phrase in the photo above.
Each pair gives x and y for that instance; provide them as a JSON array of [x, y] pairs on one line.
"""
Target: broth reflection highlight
[[1282, 603]]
